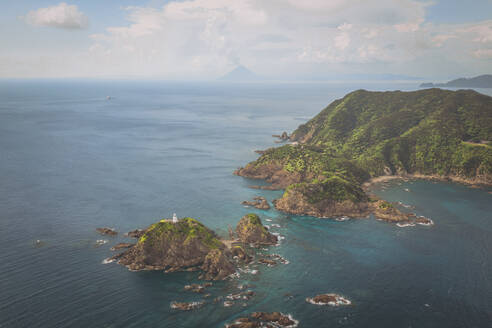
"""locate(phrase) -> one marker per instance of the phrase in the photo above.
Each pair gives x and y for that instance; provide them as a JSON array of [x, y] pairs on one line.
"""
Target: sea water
[[72, 160]]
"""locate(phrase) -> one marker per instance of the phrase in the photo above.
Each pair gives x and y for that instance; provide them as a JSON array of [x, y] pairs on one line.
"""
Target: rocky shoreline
[[476, 182], [295, 202]]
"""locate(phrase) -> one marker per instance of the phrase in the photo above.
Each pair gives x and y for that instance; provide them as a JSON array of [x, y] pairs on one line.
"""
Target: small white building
[[175, 218]]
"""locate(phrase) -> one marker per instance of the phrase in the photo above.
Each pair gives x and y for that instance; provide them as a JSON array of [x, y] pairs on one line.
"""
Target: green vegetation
[[186, 229], [385, 205], [333, 188], [253, 219], [252, 222], [368, 134]]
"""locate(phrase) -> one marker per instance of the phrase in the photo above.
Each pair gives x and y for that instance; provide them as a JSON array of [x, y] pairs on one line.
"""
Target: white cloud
[[209, 37], [282, 38], [60, 16], [481, 32]]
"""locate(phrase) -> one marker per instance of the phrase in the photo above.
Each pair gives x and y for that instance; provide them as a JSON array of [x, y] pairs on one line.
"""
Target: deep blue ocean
[[72, 161]]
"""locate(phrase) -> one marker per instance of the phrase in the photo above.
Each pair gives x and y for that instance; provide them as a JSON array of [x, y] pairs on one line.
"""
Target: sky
[[277, 39]]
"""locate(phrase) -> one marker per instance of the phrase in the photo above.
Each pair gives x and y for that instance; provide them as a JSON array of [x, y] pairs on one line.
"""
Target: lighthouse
[[175, 218]]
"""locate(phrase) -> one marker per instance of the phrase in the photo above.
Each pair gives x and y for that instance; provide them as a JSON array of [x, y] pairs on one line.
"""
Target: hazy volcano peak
[[240, 74]]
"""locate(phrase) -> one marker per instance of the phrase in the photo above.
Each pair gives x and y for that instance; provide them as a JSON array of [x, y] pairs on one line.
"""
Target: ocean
[[72, 160]]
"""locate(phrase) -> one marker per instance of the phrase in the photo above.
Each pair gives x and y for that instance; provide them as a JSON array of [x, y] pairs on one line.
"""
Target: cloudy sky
[[281, 39]]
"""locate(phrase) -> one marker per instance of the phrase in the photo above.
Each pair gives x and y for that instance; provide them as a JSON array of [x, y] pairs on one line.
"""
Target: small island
[[328, 167], [258, 202], [250, 230], [187, 245]]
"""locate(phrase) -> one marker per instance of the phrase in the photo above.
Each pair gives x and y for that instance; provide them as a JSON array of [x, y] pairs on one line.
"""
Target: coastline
[[472, 183]]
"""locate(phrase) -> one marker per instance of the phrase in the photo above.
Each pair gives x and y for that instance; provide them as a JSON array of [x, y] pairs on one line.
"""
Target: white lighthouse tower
[[175, 218]]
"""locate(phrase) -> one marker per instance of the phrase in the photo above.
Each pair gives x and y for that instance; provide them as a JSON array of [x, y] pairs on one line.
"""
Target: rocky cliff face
[[185, 245], [217, 265], [251, 230]]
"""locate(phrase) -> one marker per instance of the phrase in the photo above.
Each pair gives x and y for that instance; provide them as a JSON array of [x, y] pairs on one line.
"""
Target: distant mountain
[[240, 74], [482, 81]]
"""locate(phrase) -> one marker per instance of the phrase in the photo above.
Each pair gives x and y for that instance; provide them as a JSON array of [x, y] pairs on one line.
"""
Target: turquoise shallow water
[[72, 161]]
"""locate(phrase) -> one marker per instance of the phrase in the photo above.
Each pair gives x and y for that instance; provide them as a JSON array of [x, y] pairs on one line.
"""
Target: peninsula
[[433, 132], [482, 81]]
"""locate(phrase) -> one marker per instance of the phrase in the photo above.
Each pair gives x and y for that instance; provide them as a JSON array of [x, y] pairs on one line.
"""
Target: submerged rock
[[182, 246], [197, 288], [264, 319], [183, 306], [107, 231], [250, 230], [100, 242], [242, 296]]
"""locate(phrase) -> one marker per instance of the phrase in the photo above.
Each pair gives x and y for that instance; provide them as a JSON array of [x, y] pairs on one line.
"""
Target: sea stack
[[251, 230]]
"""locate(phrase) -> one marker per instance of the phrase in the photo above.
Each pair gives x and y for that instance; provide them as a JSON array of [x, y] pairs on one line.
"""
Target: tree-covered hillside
[[429, 131], [369, 134]]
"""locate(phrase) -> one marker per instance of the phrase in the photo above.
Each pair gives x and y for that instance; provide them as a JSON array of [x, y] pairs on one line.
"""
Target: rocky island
[[187, 245], [364, 135], [250, 230], [258, 202], [328, 299]]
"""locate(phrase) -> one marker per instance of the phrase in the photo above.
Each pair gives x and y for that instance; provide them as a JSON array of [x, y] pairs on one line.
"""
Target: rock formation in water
[[107, 231], [328, 299], [250, 230], [258, 202]]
